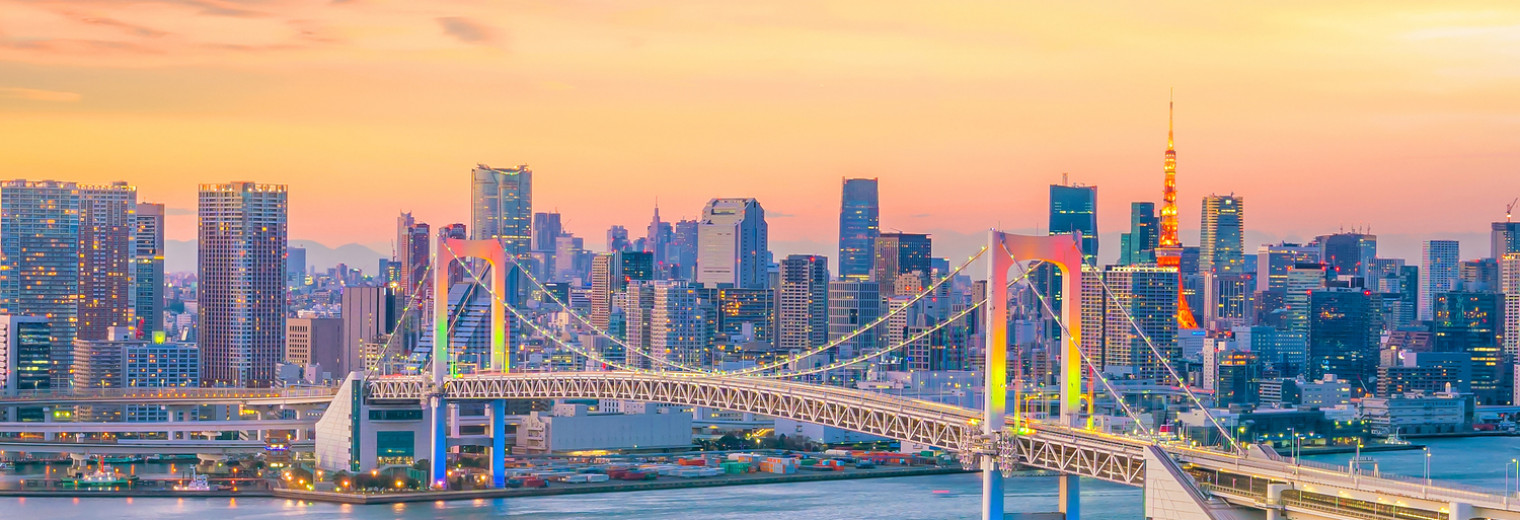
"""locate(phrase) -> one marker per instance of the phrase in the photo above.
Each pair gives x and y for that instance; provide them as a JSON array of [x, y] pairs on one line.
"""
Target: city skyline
[[1261, 111]]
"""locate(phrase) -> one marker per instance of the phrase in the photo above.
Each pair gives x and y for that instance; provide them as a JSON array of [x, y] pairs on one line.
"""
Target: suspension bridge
[[1179, 481]]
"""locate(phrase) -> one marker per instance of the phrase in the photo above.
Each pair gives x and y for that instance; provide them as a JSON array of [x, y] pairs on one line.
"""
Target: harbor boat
[[103, 476], [197, 483], [6, 465]]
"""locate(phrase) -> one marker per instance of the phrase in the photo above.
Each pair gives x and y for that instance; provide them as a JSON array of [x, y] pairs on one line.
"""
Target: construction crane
[[1509, 209]]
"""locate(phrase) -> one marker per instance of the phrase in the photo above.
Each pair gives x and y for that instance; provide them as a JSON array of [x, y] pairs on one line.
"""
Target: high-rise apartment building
[[898, 254], [854, 304], [413, 254], [606, 278], [1138, 246], [39, 261], [733, 244], [1222, 237], [1074, 209], [1441, 260], [148, 269], [859, 225], [242, 241], [1148, 295], [1509, 287], [803, 320], [107, 247], [677, 326]]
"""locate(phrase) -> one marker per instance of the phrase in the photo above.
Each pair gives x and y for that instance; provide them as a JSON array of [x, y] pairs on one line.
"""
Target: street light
[[1427, 465]]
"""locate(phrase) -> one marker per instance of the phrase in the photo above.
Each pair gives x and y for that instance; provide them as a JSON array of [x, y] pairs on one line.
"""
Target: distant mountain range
[[180, 256]]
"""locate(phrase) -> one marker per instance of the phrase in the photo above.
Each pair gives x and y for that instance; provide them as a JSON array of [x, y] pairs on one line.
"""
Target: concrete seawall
[[609, 487]]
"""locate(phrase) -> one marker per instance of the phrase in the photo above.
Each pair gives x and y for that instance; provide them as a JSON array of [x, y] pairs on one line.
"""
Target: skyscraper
[[1441, 260], [804, 295], [617, 239], [733, 244], [683, 249], [1504, 239], [1273, 262], [413, 254], [1074, 209], [1347, 254], [107, 223], [39, 261], [1344, 329], [1470, 322], [1169, 252], [1148, 295], [546, 228], [1293, 338], [859, 225], [368, 314], [657, 241], [1222, 238], [677, 330], [148, 269], [1138, 246], [501, 207], [854, 304], [1509, 287], [898, 254], [606, 277], [242, 243]]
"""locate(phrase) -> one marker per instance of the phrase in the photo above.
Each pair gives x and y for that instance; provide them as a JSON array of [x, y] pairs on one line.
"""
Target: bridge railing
[[1416, 486]]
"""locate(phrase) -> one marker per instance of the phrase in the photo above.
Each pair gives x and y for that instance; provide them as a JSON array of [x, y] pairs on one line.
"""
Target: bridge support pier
[[440, 442], [1274, 501], [1460, 511], [499, 443], [1070, 497]]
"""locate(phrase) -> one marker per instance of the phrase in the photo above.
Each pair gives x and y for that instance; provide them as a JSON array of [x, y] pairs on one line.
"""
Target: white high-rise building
[[677, 326], [241, 296], [733, 244], [1509, 284], [1441, 260]]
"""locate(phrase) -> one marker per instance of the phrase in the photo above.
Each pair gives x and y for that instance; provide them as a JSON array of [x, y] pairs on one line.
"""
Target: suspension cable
[[412, 297], [1166, 363], [1086, 360], [623, 366], [763, 367], [881, 352]]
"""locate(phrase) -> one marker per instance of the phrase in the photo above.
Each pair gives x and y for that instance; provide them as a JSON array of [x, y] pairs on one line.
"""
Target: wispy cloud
[[466, 30], [32, 94], [178, 211]]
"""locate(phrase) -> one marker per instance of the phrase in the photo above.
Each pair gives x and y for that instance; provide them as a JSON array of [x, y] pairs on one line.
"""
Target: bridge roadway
[[1283, 488], [169, 396], [146, 447], [155, 427]]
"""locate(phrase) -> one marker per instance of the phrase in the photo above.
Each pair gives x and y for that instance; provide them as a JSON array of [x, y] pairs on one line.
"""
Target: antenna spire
[[1170, 101]]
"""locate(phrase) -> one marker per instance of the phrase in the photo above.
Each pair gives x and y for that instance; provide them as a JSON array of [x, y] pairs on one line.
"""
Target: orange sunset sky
[[1401, 116]]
